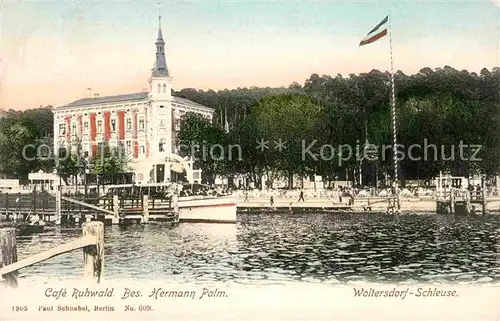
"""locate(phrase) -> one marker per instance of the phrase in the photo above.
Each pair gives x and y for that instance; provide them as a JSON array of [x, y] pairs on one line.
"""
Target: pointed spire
[[160, 35], [160, 67]]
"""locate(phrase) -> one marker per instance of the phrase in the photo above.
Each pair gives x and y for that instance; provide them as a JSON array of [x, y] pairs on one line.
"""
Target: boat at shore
[[207, 209], [25, 229], [211, 208]]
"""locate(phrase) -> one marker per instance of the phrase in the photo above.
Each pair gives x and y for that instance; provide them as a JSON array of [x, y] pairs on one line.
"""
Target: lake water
[[274, 248]]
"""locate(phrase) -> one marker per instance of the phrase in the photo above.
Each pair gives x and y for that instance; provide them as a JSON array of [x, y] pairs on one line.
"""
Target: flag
[[376, 33]]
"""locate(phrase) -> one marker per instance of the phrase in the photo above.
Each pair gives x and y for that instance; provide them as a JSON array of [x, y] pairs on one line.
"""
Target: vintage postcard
[[249, 160]]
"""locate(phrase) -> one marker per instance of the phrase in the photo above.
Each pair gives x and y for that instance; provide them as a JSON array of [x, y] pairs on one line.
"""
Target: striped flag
[[376, 33]]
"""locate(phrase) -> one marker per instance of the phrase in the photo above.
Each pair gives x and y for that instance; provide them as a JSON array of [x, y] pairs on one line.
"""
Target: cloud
[[497, 2]]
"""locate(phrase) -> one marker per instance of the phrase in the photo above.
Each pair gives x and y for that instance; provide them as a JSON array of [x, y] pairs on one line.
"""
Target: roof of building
[[128, 97], [107, 99]]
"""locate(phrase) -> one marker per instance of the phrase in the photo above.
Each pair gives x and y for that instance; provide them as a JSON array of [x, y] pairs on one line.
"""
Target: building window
[[129, 124], [62, 129], [143, 150], [161, 145], [99, 126], [102, 148], [73, 129], [86, 154], [113, 125], [128, 146], [86, 127], [164, 88], [159, 88], [141, 124]]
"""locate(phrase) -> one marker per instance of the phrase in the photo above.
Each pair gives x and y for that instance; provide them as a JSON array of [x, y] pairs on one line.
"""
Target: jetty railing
[[67, 209], [92, 242]]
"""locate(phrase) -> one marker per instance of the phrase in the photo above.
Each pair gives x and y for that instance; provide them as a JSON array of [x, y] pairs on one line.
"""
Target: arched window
[[159, 88], [164, 88]]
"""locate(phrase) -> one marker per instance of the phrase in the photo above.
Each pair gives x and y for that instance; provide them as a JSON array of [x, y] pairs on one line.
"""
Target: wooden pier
[[387, 204], [462, 202], [72, 209], [92, 243]]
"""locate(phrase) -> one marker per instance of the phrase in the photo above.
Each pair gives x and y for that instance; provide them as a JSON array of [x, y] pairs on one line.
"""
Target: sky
[[52, 51]]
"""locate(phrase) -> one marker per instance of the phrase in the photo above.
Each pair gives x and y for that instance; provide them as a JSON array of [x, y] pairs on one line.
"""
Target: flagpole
[[393, 112]]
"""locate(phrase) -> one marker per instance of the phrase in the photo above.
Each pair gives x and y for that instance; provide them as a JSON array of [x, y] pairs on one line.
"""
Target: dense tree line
[[21, 134], [443, 107]]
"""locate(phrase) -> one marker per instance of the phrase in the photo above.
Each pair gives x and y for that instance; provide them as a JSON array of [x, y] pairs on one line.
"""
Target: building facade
[[144, 123]]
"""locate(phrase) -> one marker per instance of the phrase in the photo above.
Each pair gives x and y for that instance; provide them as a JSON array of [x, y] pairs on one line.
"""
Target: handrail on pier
[[92, 243], [97, 208]]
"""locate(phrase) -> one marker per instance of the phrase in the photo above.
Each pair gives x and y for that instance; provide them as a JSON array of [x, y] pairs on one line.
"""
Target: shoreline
[[377, 204]]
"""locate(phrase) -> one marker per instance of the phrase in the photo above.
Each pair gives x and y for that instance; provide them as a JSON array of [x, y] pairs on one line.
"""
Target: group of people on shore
[[301, 197]]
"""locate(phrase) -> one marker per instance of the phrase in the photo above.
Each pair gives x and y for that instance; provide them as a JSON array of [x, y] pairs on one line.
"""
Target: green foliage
[[21, 133], [198, 138], [441, 107], [109, 163]]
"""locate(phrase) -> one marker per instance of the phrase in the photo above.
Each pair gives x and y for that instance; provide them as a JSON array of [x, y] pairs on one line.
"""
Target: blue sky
[[53, 51]]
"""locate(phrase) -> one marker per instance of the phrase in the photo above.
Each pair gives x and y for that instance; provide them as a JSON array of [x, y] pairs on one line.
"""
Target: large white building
[[144, 122]]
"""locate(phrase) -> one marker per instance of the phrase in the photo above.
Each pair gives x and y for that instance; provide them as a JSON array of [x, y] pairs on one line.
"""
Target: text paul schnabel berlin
[[403, 293]]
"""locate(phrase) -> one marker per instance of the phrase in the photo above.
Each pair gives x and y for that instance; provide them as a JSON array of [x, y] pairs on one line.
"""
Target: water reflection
[[274, 248]]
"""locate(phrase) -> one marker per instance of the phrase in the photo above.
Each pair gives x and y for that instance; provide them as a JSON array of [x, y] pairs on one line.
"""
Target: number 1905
[[17, 308]]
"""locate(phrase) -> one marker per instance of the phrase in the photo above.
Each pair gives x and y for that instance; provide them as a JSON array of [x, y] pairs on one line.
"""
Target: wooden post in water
[[484, 202], [93, 255], [116, 209], [145, 209], [468, 207], [8, 253]]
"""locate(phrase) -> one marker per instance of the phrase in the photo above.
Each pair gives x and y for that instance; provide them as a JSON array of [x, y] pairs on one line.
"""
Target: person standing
[[301, 197], [271, 200]]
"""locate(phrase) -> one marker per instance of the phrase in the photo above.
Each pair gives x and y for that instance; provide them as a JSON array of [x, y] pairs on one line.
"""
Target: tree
[[290, 122], [206, 143], [109, 163]]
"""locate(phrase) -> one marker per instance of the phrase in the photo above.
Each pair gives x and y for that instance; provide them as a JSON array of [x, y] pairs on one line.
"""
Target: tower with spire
[[160, 81], [160, 110]]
